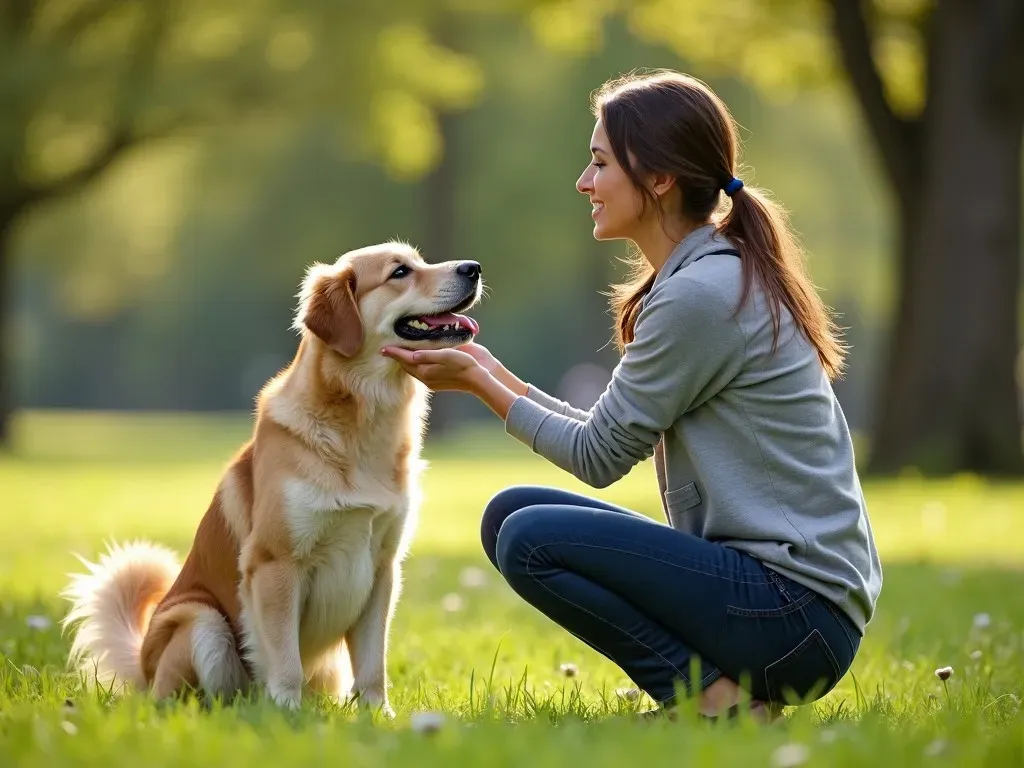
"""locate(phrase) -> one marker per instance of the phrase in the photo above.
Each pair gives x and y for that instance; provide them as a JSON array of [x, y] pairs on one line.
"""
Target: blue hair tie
[[733, 186]]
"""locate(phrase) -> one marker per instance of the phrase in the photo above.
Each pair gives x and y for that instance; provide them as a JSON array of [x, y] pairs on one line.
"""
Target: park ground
[[495, 682]]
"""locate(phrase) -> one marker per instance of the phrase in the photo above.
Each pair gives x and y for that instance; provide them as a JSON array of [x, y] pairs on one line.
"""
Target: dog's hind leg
[[174, 670], [215, 658]]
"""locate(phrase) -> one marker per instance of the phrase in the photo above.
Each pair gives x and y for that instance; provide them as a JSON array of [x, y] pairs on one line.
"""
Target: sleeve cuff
[[555, 405], [543, 398], [524, 420]]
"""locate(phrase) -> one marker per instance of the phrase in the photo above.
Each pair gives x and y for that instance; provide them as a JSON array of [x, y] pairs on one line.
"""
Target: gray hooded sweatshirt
[[751, 448]]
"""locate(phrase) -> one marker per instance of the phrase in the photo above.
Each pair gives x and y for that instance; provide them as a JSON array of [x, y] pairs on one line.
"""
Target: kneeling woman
[[767, 570]]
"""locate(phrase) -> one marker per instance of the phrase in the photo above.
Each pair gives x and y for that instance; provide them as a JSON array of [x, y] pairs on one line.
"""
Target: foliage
[[85, 80], [783, 47]]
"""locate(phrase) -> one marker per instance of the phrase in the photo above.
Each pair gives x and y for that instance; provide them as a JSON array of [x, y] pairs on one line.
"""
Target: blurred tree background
[[169, 167]]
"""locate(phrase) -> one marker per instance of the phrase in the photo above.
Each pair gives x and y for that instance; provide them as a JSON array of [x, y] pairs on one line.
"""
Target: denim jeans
[[657, 601]]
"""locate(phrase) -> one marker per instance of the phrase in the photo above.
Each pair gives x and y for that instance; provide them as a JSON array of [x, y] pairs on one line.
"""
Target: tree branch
[[16, 17], [86, 15], [895, 137], [139, 74]]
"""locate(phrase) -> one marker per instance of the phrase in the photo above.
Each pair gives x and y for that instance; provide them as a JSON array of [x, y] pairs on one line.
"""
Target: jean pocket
[[788, 606], [805, 674]]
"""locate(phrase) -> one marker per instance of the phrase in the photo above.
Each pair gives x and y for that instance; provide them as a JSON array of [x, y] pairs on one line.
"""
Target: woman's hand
[[493, 366], [440, 369], [460, 370], [482, 355]]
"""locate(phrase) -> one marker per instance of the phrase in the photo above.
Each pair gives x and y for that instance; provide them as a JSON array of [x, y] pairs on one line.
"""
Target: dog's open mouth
[[444, 326]]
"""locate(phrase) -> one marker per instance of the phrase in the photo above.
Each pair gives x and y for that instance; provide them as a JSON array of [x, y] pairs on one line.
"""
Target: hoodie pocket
[[679, 500]]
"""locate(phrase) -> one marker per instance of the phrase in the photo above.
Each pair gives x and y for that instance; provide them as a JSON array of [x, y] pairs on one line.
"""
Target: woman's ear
[[661, 183], [328, 309]]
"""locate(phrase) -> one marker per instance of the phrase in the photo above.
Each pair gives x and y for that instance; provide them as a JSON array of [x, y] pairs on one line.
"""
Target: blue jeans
[[656, 601]]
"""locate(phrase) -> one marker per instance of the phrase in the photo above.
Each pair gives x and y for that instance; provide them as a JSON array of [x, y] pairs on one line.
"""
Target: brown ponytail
[[666, 122], [772, 256]]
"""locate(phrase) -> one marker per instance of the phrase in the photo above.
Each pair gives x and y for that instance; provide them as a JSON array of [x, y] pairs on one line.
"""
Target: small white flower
[[982, 621], [935, 748], [790, 756], [951, 577], [38, 622], [472, 577], [944, 673], [627, 694], [452, 602], [69, 728], [569, 670], [426, 722], [976, 655]]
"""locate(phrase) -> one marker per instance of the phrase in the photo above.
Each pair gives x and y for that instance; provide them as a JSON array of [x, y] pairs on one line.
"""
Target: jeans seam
[[710, 677], [772, 613], [529, 572], [693, 568], [779, 584], [842, 625]]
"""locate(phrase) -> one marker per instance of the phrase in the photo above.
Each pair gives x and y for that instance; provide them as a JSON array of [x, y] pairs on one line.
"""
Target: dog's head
[[388, 295]]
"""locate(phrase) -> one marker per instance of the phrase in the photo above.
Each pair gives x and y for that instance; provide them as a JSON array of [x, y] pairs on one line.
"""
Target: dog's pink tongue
[[449, 318]]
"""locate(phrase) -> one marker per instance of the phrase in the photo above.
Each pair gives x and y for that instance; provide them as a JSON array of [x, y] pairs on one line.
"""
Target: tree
[[939, 86], [84, 84]]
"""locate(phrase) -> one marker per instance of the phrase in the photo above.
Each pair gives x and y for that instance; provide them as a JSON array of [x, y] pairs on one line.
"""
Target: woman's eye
[[400, 272], [598, 165]]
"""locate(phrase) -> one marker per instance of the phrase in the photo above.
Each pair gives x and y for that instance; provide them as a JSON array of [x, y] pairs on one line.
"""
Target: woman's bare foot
[[723, 697]]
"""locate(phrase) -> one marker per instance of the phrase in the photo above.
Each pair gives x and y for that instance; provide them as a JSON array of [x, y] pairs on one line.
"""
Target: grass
[[463, 645]]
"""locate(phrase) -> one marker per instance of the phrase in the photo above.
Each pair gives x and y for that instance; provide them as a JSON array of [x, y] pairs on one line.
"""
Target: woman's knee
[[517, 537], [498, 509]]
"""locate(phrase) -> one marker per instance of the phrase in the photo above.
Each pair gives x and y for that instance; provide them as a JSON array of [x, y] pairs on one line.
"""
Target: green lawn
[[463, 645]]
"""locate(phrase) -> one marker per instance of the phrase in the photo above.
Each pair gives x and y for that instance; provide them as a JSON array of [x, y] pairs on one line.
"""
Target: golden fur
[[295, 569]]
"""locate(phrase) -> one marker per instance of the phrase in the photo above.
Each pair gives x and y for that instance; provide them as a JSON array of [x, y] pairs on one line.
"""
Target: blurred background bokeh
[[168, 168]]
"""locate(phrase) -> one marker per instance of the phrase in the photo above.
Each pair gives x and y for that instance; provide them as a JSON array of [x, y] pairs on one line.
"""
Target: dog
[[294, 572]]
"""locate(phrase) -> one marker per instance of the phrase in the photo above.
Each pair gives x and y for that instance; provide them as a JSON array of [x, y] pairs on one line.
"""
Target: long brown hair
[[667, 122]]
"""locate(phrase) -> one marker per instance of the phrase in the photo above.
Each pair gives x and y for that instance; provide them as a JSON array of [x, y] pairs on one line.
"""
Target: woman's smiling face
[[616, 201]]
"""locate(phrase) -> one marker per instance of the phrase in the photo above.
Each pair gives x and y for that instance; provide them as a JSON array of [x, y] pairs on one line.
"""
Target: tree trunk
[[9, 213], [440, 209], [950, 400]]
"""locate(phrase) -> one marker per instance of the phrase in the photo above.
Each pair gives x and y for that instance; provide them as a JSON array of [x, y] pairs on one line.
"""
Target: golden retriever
[[294, 573]]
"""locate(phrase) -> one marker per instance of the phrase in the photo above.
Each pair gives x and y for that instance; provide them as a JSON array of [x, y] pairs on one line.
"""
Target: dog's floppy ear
[[328, 309]]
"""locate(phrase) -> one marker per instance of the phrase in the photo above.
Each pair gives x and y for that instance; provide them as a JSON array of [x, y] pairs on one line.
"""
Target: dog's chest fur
[[343, 533], [338, 548]]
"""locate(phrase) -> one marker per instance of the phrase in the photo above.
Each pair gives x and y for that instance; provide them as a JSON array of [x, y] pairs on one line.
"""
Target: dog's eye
[[400, 272]]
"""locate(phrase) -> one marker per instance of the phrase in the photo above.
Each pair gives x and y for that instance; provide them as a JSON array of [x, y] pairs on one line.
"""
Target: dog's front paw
[[287, 696], [376, 700]]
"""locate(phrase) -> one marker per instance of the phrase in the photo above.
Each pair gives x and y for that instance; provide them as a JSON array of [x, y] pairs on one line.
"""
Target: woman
[[767, 573]]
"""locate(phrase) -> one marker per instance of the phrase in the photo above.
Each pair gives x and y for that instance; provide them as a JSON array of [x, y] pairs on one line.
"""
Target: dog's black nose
[[470, 269]]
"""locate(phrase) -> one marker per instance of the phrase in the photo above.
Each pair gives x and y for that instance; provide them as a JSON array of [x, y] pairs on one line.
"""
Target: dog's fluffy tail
[[111, 607]]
